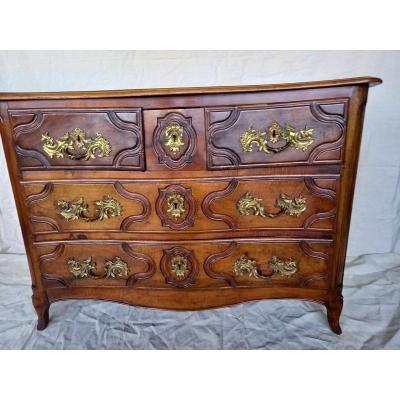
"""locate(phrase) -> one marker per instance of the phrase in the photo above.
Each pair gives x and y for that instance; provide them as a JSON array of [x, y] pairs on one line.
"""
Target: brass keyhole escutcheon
[[175, 205], [179, 266], [174, 137]]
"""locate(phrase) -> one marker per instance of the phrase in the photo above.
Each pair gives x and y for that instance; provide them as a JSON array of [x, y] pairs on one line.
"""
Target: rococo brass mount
[[244, 265], [179, 266], [175, 205], [105, 208], [116, 268], [299, 140], [293, 207], [75, 146], [174, 135]]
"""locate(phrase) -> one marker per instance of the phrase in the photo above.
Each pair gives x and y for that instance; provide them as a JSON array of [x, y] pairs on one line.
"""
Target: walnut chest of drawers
[[186, 199]]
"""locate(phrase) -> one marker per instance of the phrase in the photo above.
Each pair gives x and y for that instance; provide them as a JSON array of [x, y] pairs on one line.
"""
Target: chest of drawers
[[186, 199]]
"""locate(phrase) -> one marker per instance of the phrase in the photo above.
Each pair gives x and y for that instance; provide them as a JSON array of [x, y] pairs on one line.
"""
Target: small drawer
[[78, 139], [187, 264], [285, 134]]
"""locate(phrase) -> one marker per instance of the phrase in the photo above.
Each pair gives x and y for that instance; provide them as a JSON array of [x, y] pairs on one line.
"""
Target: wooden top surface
[[365, 80]]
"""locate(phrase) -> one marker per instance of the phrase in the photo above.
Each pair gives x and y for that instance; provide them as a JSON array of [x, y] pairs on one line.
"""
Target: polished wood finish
[[181, 255]]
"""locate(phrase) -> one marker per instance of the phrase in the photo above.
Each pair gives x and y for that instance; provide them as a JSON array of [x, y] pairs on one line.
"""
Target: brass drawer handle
[[105, 208], [244, 265], [76, 146], [293, 207], [299, 140], [116, 268]]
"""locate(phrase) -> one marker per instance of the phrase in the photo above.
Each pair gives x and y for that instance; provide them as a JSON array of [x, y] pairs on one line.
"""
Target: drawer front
[[78, 139], [194, 206], [187, 264], [175, 139], [297, 133]]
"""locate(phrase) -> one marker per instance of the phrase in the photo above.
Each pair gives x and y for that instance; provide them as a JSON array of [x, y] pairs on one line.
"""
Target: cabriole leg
[[334, 309], [42, 305]]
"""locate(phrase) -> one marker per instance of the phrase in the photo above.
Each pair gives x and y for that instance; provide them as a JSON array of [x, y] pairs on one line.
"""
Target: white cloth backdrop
[[375, 224]]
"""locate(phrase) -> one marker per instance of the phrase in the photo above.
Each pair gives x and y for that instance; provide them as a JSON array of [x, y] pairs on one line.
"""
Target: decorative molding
[[222, 157], [136, 151], [43, 194], [326, 118], [131, 158], [217, 195], [218, 126], [174, 156], [312, 253], [131, 280], [320, 192], [213, 258], [49, 278], [122, 191], [46, 220], [166, 265], [186, 219], [144, 258], [52, 256], [306, 280]]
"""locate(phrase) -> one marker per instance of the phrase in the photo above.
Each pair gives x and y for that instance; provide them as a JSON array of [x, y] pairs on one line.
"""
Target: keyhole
[[274, 133], [174, 138], [175, 206]]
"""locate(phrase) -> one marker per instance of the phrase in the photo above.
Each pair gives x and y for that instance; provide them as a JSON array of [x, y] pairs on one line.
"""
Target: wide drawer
[[235, 205], [78, 139], [298, 133], [184, 264]]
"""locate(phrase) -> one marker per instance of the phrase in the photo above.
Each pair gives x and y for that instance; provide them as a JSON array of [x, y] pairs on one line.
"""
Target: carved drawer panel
[[175, 139], [185, 265], [298, 133], [78, 139], [59, 207], [267, 203], [193, 206]]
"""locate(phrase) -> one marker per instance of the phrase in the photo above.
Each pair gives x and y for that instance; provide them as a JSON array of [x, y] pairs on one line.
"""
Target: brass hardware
[[106, 208], [293, 207], [175, 205], [244, 265], [76, 146], [299, 140], [116, 268], [174, 135], [275, 132], [179, 266]]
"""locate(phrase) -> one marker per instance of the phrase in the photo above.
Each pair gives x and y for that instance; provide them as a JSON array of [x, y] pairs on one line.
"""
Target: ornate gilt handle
[[116, 268], [293, 207], [244, 265], [105, 208], [275, 133], [75, 146]]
